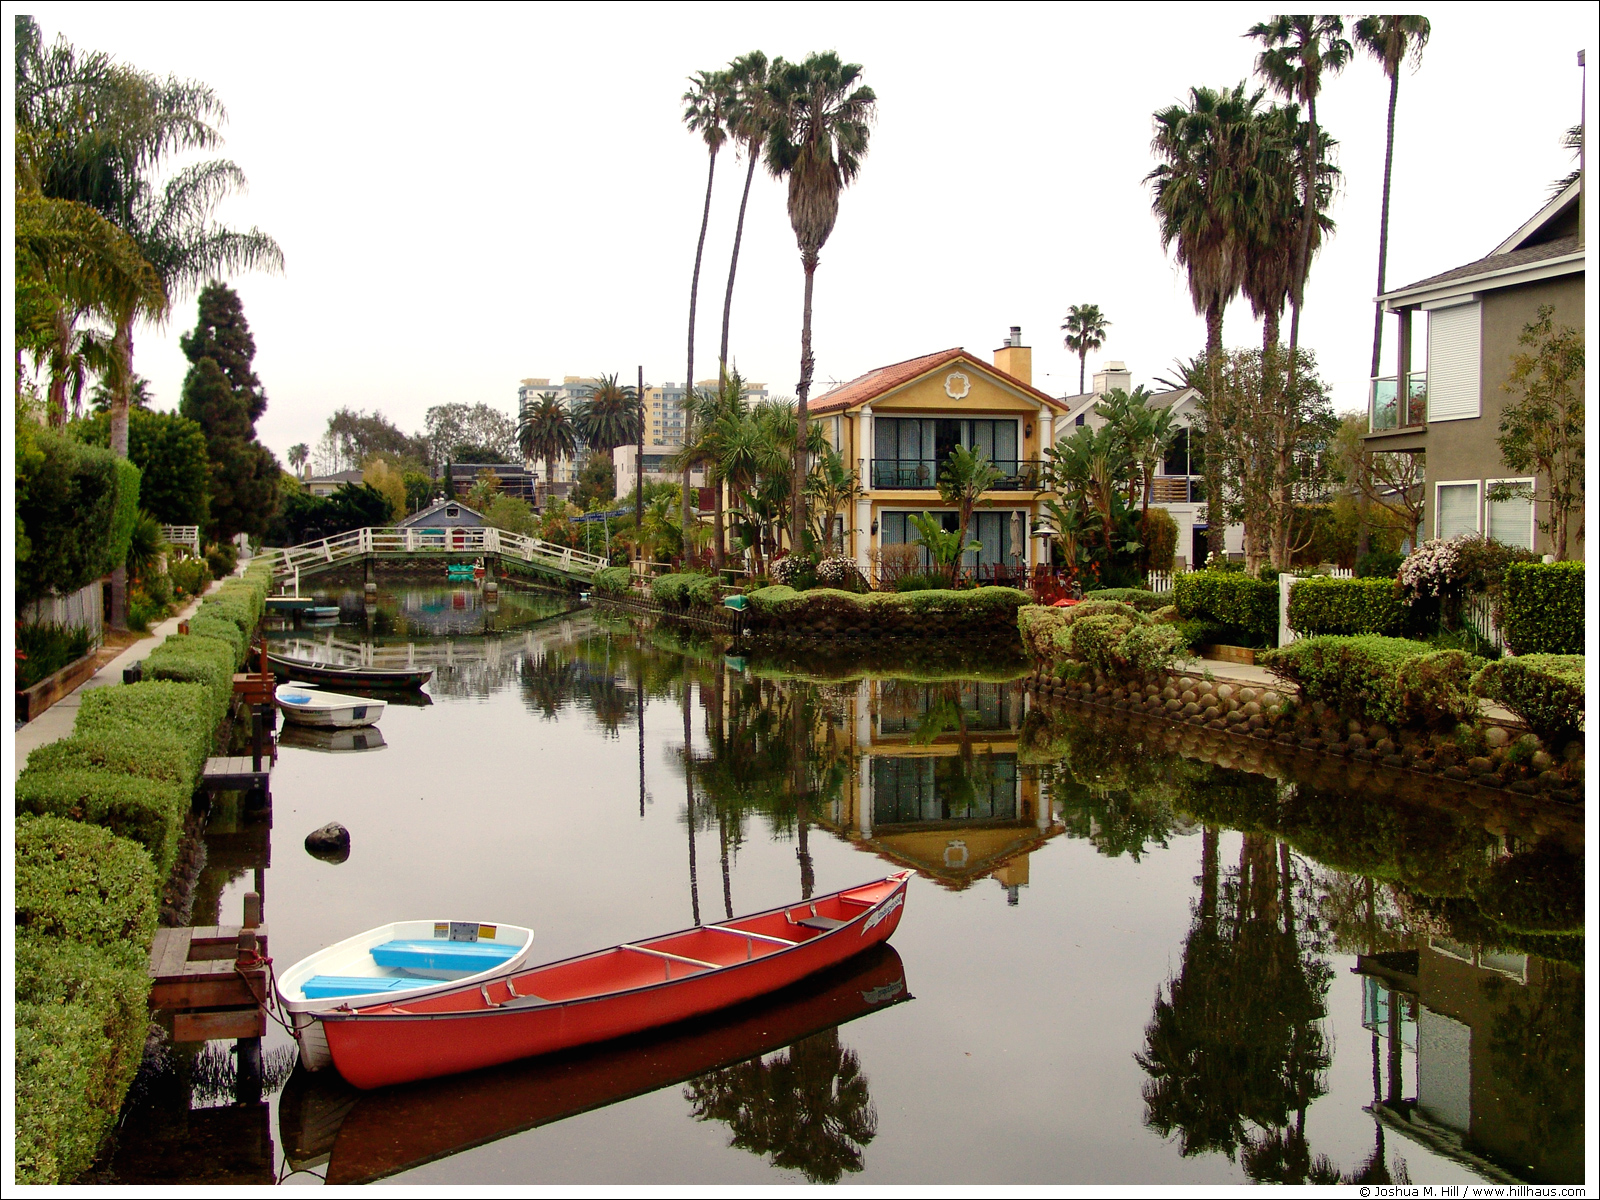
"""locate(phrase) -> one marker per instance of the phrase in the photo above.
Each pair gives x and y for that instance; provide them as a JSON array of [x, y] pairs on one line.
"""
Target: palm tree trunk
[[1303, 253], [727, 882], [733, 265], [121, 398], [1216, 531], [1083, 358], [1383, 228], [688, 784], [808, 260], [688, 380], [716, 526]]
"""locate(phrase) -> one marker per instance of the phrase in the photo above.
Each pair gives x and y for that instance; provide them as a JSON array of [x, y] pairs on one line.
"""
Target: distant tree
[[354, 436], [610, 416], [512, 514], [485, 487], [452, 425], [963, 478], [385, 479], [1085, 328], [298, 454], [419, 490], [597, 481], [1542, 432], [705, 111], [170, 452], [223, 335], [748, 118], [139, 395], [545, 431], [307, 518], [466, 452]]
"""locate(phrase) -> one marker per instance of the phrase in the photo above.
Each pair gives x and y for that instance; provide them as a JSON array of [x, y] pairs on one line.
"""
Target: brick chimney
[[1015, 359]]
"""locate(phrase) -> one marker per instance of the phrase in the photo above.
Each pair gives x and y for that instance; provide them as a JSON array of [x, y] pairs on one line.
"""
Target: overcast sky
[[468, 196]]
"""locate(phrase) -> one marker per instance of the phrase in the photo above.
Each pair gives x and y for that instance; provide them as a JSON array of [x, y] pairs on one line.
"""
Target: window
[[1176, 461], [1078, 420], [452, 511], [1456, 509], [1511, 521], [991, 530], [1453, 362]]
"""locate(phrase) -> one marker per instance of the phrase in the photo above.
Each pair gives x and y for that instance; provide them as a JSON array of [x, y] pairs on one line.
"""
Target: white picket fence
[[1479, 613], [84, 608]]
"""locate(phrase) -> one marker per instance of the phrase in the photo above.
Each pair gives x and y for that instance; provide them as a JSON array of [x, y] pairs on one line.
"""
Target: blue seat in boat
[[436, 954], [320, 987]]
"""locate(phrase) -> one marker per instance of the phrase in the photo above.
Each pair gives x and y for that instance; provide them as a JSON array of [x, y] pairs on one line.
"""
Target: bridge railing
[[467, 541]]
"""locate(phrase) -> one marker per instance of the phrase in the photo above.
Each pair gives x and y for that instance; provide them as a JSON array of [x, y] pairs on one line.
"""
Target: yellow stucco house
[[897, 424]]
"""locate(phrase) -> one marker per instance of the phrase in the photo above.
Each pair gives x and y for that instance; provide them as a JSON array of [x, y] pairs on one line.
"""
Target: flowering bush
[[1430, 571], [838, 571], [793, 570]]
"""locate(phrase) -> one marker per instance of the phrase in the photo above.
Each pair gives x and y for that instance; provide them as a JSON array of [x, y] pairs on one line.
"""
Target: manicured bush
[[1346, 606], [146, 811], [158, 754], [194, 659], [222, 558], [680, 591], [83, 883], [1139, 598], [1039, 624], [211, 625], [1390, 680], [1095, 638], [1101, 635], [1545, 690], [615, 580], [80, 1030], [71, 509], [781, 609], [1245, 608], [1541, 608]]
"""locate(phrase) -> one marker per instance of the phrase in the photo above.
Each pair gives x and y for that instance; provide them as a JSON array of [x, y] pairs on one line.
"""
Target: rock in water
[[331, 843]]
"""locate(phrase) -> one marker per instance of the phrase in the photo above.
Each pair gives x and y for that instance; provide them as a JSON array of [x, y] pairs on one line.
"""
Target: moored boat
[[302, 671], [306, 705], [332, 741], [606, 994], [414, 958]]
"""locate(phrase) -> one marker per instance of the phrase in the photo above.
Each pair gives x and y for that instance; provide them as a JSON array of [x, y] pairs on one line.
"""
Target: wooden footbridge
[[497, 547]]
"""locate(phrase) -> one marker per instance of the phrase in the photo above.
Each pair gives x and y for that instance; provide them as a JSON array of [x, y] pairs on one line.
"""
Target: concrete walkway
[[56, 721]]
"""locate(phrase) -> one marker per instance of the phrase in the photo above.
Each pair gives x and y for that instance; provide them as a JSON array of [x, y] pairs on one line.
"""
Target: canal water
[[1119, 962]]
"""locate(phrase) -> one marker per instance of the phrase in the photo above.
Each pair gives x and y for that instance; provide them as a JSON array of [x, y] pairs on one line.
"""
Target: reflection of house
[[937, 785], [1494, 1045], [897, 425], [1452, 406]]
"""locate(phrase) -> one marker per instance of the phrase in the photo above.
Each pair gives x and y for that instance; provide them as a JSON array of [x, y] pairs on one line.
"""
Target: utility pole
[[638, 487]]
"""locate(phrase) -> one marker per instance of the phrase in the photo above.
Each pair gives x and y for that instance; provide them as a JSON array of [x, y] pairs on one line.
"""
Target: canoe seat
[[822, 923], [436, 954], [320, 987]]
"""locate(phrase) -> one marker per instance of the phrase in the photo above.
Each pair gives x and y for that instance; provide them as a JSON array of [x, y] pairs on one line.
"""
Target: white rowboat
[[330, 710]]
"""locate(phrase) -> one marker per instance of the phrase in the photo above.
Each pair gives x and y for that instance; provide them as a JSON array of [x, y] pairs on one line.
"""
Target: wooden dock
[[212, 978]]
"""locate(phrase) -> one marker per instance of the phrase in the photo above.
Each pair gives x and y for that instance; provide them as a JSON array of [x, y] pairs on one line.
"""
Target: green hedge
[[72, 508], [80, 1029], [781, 601], [125, 515], [146, 811], [1104, 635], [1139, 598], [83, 883], [1541, 608], [613, 579], [1391, 680], [194, 659], [1246, 608], [680, 591], [1545, 690], [1346, 606], [157, 754], [214, 625]]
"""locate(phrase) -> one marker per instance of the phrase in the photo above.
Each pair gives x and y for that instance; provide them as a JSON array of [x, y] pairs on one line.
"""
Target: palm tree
[[545, 431], [298, 454], [834, 486], [966, 475], [1144, 433], [1390, 40], [747, 122], [1207, 186], [705, 111], [1085, 328], [609, 417], [1296, 52], [705, 432], [817, 139]]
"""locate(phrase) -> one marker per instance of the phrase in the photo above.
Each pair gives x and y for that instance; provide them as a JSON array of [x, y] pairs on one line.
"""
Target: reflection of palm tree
[[809, 1107], [547, 684]]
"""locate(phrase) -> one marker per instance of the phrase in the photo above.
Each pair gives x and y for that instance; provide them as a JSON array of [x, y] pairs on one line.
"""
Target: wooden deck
[[240, 773], [210, 978]]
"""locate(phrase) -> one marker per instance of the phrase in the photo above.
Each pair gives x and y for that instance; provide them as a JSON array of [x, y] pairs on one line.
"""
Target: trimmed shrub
[[211, 625], [615, 580], [1541, 608], [195, 659], [80, 1031], [83, 883], [222, 558], [1104, 635], [680, 591], [1094, 639], [780, 609], [1039, 624], [1346, 606], [1545, 690], [1245, 608], [158, 754], [191, 575], [1139, 598], [146, 811], [1391, 680], [68, 509]]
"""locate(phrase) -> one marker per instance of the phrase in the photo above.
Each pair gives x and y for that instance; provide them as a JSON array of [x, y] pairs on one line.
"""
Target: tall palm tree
[[545, 431], [298, 454], [609, 416], [1296, 52], [705, 111], [1390, 40], [747, 123], [1207, 186], [820, 123], [1085, 328]]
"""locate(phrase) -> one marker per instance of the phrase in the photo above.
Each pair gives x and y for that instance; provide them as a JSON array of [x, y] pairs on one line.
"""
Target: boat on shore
[[414, 958], [306, 705], [302, 671], [365, 1136], [606, 994]]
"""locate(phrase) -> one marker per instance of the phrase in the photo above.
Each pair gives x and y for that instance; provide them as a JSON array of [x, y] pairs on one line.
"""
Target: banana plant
[[945, 547]]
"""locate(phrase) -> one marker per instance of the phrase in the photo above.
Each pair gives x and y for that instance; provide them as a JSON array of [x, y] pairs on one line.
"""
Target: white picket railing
[[466, 541], [182, 535]]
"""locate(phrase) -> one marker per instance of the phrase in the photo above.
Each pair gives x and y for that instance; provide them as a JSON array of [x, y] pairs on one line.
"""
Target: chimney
[[1015, 359], [1111, 376]]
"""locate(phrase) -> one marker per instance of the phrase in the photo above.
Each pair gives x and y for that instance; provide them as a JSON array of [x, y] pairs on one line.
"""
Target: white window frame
[[1477, 505], [1532, 485]]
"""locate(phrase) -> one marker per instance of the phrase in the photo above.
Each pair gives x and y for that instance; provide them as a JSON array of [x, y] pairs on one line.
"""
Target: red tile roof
[[885, 379]]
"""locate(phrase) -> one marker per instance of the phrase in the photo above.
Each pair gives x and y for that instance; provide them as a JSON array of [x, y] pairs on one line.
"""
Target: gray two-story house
[[1449, 408]]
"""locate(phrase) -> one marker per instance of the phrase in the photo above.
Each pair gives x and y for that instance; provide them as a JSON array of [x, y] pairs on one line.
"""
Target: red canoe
[[611, 993]]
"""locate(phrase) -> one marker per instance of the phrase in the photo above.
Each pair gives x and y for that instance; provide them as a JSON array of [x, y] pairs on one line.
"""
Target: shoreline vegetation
[[100, 816]]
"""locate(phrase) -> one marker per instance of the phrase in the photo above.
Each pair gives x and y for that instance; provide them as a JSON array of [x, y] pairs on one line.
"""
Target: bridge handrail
[[488, 539]]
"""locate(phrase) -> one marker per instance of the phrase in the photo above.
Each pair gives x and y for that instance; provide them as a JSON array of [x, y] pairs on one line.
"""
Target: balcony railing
[[1177, 489], [1016, 475], [1386, 410]]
